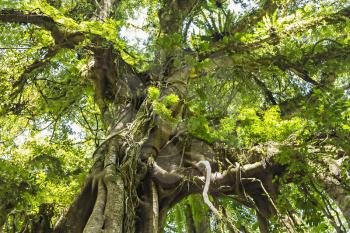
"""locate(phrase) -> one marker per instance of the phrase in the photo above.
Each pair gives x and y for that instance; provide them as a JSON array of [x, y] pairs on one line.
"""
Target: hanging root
[[206, 164]]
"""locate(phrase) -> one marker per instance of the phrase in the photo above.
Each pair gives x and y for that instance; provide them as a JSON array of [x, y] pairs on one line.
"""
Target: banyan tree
[[192, 115]]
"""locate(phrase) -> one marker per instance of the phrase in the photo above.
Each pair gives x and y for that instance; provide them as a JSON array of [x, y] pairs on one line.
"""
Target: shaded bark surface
[[339, 194]]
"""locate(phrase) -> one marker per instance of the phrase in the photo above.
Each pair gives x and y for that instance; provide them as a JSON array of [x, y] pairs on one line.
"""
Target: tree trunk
[[100, 205], [334, 185], [263, 223], [119, 195], [339, 194], [109, 200]]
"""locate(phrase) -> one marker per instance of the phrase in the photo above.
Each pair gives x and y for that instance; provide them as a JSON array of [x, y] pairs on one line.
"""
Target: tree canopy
[[174, 116]]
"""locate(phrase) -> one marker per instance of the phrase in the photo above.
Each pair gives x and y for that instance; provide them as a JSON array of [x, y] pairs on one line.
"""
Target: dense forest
[[196, 116]]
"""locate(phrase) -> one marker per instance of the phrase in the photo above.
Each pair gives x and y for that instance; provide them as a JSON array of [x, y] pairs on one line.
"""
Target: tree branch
[[43, 21], [61, 37], [298, 69], [341, 53], [249, 20], [173, 13], [267, 92], [299, 27]]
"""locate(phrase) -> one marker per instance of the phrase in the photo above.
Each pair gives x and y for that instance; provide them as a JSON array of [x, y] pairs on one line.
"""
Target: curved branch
[[43, 21], [59, 34]]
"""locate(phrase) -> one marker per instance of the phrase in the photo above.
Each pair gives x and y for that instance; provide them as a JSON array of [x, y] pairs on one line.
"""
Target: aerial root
[[96, 219], [207, 166], [114, 209]]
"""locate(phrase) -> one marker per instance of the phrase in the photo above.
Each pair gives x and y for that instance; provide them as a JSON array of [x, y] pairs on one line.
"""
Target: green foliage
[[193, 209], [268, 126], [249, 127], [38, 171], [330, 111], [199, 126], [153, 93], [170, 42], [163, 106]]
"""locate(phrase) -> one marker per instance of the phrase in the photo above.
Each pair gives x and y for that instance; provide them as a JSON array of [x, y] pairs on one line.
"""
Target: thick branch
[[249, 20], [46, 22], [298, 27], [172, 15], [300, 68], [223, 182]]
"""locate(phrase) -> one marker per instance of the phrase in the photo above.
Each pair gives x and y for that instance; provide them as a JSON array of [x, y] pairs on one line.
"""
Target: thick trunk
[[263, 223], [101, 204], [334, 183], [116, 198], [148, 221], [339, 194]]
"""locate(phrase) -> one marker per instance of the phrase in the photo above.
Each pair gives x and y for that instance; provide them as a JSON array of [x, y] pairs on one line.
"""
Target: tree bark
[[149, 221], [339, 194], [263, 223], [100, 206]]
